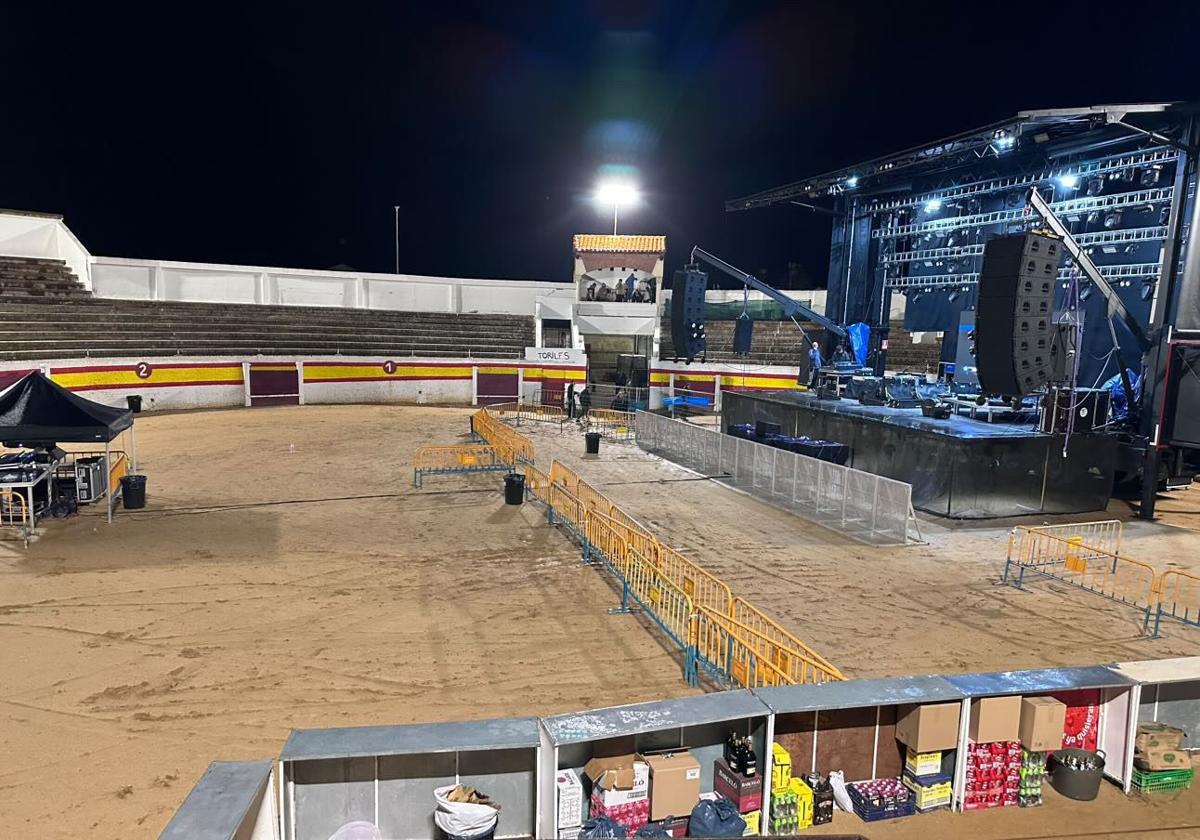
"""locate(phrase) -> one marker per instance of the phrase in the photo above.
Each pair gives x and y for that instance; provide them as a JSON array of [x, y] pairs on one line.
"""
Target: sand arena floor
[[265, 589]]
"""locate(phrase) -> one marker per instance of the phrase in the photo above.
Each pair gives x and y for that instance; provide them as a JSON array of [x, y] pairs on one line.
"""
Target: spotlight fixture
[[1093, 217], [1148, 288], [1129, 175], [1112, 219], [852, 182], [1095, 186], [1068, 182], [1003, 140], [1086, 291], [1151, 176], [933, 205], [953, 297]]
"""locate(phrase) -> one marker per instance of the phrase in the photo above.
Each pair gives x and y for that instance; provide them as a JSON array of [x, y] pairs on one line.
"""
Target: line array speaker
[[1014, 330], [687, 313]]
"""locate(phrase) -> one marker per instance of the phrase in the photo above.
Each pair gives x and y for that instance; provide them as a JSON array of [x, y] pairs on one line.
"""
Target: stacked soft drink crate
[[1033, 774], [881, 799], [993, 775]]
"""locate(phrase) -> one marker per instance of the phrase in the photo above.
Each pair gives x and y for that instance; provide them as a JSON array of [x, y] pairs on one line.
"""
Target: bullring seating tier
[[83, 327], [780, 343]]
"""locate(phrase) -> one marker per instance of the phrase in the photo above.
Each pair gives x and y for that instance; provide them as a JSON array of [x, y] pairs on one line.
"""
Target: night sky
[[285, 135]]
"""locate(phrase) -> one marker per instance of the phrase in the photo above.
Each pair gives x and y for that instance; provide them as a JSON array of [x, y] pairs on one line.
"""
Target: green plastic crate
[[1161, 781]]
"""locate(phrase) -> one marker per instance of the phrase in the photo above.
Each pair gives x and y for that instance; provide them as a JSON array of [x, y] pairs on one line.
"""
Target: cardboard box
[[1162, 759], [781, 768], [676, 826], [674, 784], [995, 719], [928, 728], [618, 780], [1042, 721], [1152, 735], [922, 763], [744, 791], [618, 772], [570, 798]]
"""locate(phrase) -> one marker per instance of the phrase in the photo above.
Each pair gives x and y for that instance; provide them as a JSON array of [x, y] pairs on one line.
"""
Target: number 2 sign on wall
[[143, 370]]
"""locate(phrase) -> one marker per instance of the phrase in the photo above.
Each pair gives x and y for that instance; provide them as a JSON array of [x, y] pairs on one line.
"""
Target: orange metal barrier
[[705, 589], [1178, 598], [670, 587], [511, 444], [796, 659], [721, 647], [1065, 554], [462, 458], [560, 473], [537, 483], [566, 508], [14, 510]]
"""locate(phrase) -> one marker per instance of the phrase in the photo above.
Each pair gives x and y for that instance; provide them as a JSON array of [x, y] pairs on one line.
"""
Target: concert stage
[[961, 468]]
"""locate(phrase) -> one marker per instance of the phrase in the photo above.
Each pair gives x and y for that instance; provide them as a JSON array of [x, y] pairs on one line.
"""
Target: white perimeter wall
[[132, 279], [359, 379], [45, 237]]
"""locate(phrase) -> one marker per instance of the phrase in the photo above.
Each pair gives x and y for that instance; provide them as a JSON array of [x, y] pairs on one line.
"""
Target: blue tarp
[[860, 337], [1120, 408]]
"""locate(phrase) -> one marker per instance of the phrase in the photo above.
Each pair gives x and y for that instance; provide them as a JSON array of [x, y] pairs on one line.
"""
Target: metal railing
[[14, 510], [513, 446], [1178, 598], [862, 505], [462, 458], [725, 648], [742, 645], [1084, 555], [796, 659]]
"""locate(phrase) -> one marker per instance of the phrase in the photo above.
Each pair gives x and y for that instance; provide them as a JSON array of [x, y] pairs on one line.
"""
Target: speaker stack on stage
[[687, 314], [1014, 325]]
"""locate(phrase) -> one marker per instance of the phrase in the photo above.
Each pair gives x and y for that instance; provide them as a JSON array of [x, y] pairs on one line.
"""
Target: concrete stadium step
[[69, 326]]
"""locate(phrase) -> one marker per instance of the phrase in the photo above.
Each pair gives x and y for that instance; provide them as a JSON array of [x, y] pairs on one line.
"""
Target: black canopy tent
[[37, 413]]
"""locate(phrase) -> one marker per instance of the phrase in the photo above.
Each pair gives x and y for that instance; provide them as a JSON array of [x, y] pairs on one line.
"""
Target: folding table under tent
[[35, 412]]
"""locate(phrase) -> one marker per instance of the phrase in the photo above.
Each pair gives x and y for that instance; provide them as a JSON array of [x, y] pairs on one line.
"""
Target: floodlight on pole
[[617, 194]]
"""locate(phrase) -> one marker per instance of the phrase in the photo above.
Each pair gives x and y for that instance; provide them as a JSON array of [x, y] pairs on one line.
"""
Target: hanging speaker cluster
[[687, 314], [1014, 325]]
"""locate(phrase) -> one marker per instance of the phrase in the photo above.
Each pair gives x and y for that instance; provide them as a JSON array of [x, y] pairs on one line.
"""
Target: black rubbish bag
[[602, 828], [716, 818], [652, 830]]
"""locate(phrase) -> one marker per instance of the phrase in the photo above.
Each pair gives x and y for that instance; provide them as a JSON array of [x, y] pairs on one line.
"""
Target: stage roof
[[1026, 131]]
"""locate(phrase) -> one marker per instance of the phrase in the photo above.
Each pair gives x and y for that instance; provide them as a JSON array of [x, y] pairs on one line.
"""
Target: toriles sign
[[555, 355]]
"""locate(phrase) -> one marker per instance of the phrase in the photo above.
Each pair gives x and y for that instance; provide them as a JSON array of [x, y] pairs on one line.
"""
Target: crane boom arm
[[791, 307], [1115, 305]]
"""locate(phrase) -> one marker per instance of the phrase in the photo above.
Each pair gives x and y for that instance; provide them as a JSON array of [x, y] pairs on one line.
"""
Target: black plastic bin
[[591, 442], [133, 491], [514, 489], [135, 403], [1081, 785]]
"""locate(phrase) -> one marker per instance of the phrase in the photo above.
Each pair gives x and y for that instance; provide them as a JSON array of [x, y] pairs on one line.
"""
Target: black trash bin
[[135, 403], [133, 491], [591, 443], [514, 489]]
